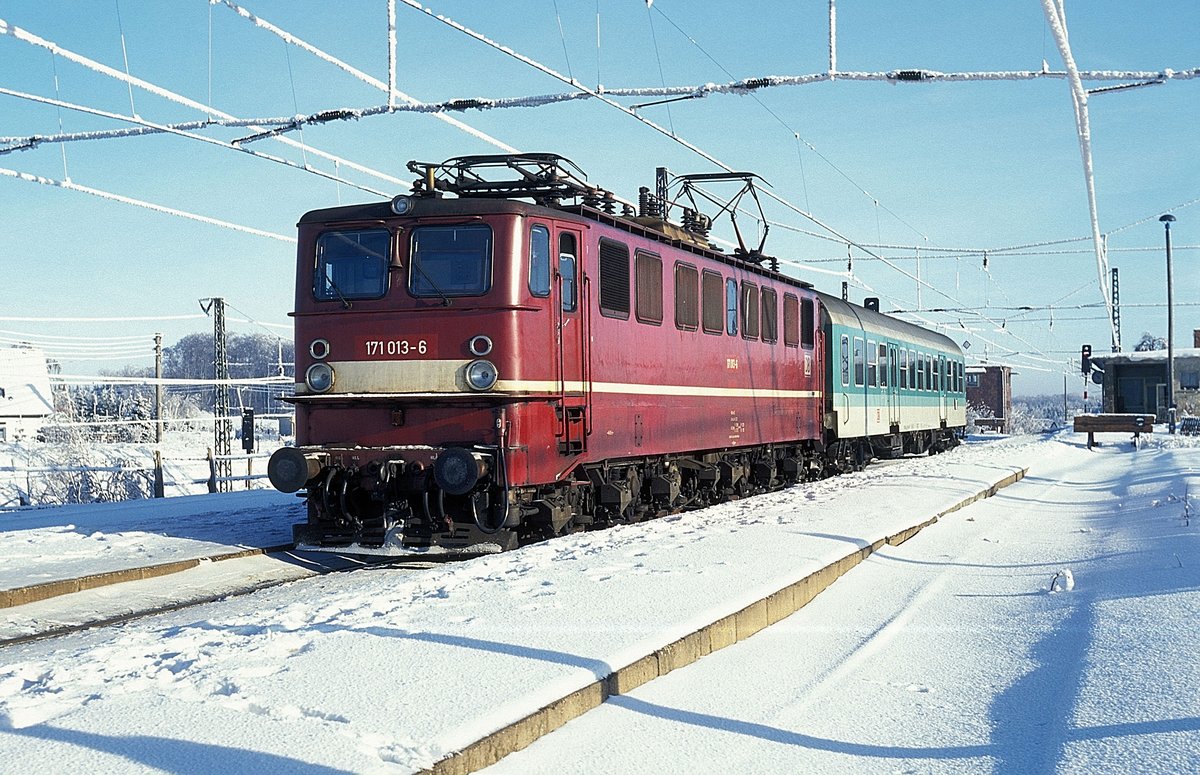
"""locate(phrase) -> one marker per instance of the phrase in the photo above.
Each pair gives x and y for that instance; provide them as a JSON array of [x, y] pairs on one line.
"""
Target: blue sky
[[976, 165]]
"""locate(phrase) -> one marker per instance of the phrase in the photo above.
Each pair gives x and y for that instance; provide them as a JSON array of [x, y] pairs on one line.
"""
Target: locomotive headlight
[[319, 377], [481, 374], [402, 204]]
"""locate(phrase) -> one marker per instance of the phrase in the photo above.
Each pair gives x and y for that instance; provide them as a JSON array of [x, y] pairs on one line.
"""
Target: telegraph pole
[[222, 428], [1167, 220], [158, 389]]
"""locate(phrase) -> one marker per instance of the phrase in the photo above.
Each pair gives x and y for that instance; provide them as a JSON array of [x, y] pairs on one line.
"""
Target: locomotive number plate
[[409, 347]]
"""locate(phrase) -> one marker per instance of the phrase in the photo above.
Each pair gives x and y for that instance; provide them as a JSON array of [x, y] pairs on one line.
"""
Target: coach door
[[571, 318], [893, 389]]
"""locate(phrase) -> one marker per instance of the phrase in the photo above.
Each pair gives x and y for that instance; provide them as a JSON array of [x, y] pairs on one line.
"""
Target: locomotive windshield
[[451, 261], [351, 265]]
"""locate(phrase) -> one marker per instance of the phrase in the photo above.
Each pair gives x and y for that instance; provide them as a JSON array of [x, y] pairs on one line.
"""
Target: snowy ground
[[946, 654]]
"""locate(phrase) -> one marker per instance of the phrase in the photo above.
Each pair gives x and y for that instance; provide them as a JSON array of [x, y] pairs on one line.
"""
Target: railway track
[[62, 607]]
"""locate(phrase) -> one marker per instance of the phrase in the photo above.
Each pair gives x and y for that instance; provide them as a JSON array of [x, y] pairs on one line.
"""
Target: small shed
[[25, 396], [1136, 382]]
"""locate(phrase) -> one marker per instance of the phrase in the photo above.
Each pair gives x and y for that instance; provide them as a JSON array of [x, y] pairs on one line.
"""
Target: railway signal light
[[1085, 359], [248, 430]]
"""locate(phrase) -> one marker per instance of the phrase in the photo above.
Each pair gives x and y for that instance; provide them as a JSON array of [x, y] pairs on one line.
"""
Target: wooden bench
[[1092, 424]]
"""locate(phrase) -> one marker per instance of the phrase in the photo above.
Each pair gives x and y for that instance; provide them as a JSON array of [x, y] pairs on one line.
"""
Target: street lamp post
[[1167, 220]]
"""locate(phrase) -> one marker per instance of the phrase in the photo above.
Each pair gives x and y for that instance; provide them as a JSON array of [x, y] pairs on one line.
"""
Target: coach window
[[872, 364], [731, 307], [687, 297], [567, 252], [903, 369], [539, 261], [943, 374], [750, 310], [860, 364], [770, 315], [614, 279], [351, 265], [808, 325], [712, 303], [958, 369], [450, 261], [920, 383], [647, 270], [791, 321], [912, 370], [845, 358], [883, 365], [928, 371]]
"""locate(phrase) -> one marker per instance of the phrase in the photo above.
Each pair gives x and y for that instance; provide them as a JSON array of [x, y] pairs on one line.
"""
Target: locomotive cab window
[[808, 338], [566, 271], [351, 265], [450, 261], [614, 279], [539, 261]]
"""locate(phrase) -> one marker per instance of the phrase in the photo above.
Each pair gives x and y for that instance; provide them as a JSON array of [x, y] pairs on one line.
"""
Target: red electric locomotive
[[509, 353]]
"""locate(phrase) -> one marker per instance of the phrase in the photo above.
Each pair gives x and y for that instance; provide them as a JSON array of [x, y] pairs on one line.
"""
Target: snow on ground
[[946, 654]]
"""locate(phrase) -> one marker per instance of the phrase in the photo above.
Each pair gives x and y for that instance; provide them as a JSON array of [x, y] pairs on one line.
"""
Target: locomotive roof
[[855, 316], [472, 206]]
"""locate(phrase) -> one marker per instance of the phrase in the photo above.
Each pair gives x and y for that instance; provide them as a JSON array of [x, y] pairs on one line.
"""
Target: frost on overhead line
[[139, 203], [367, 79], [28, 37], [1056, 17]]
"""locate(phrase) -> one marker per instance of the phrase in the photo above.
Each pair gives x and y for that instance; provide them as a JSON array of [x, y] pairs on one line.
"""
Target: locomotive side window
[[770, 315], [807, 324], [351, 265], [539, 261], [712, 303], [566, 270], [860, 363], [749, 310], [614, 279], [450, 261], [791, 321], [731, 307], [687, 297], [845, 360], [648, 271]]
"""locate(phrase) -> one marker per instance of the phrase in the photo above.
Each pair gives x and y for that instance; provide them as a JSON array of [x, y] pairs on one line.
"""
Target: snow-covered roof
[[24, 383], [1146, 356]]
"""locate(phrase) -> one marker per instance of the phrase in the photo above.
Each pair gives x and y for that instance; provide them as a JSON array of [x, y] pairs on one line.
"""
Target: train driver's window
[[860, 362], [566, 270], [351, 264], [539, 261], [731, 307], [808, 324]]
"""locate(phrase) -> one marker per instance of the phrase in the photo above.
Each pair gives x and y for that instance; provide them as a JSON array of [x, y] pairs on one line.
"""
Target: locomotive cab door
[[570, 337]]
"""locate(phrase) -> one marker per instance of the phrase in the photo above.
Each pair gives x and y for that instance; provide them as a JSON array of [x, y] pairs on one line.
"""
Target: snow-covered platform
[[386, 671]]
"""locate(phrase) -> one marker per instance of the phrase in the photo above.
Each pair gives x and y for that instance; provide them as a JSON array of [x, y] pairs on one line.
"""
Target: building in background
[[989, 391], [25, 398], [1136, 382]]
